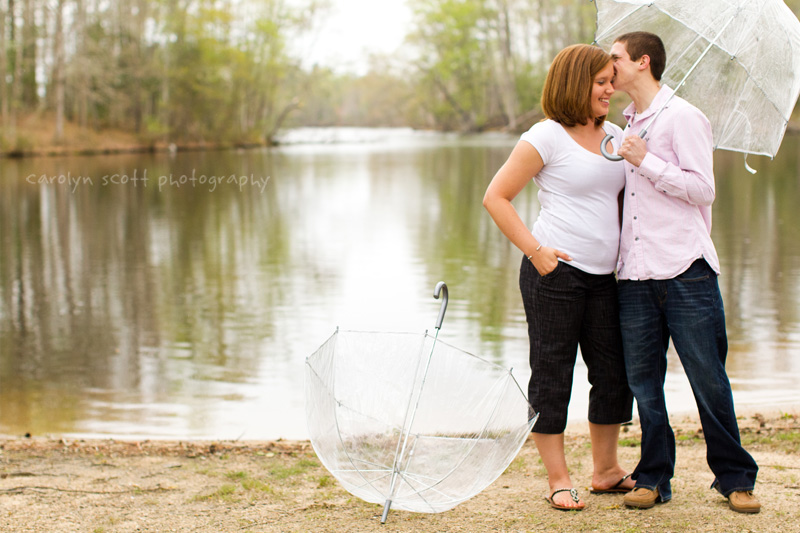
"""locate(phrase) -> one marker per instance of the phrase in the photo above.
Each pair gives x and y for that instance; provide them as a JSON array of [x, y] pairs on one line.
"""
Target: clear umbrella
[[738, 61], [411, 423]]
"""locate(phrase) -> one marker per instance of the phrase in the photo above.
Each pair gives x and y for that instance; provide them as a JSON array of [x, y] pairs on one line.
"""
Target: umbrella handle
[[608, 155], [614, 157], [441, 287]]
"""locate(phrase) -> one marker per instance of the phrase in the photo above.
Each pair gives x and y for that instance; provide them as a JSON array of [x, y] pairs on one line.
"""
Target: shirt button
[[631, 170], [637, 238], [635, 218], [633, 194]]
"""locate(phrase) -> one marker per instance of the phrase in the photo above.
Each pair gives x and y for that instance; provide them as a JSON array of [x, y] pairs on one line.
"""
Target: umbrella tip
[[386, 508]]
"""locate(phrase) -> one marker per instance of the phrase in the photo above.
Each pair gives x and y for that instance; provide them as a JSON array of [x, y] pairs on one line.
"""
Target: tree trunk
[[504, 65], [138, 63], [16, 85], [3, 69], [467, 121], [81, 61], [163, 111], [294, 104], [58, 71], [29, 94]]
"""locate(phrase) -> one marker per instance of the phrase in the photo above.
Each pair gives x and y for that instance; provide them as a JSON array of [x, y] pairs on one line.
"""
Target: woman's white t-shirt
[[578, 194]]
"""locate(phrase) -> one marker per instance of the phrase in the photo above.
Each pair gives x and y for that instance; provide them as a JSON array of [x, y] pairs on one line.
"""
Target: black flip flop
[[575, 498], [616, 489]]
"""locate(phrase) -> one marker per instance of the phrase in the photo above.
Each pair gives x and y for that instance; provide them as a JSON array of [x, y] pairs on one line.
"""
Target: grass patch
[[325, 481], [224, 493], [792, 436], [689, 439], [630, 442], [786, 441], [293, 470], [517, 465], [256, 485], [204, 470], [751, 439]]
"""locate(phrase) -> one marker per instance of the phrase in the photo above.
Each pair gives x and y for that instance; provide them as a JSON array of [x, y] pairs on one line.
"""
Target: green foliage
[[170, 71], [211, 71], [453, 41], [483, 62]]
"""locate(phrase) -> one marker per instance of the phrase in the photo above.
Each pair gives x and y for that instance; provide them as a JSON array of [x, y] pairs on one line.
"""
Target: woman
[[567, 275]]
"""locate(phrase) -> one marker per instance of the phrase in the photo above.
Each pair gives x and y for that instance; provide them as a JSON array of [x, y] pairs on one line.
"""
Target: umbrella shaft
[[689, 73], [400, 457]]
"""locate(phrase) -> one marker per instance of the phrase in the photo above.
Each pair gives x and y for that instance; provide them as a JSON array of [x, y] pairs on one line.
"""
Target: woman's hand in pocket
[[546, 259]]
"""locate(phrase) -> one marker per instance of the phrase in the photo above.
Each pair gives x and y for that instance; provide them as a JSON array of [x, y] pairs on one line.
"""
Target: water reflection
[[186, 309], [757, 232]]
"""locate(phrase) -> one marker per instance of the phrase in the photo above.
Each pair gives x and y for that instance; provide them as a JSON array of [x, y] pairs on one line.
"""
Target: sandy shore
[[54, 485]]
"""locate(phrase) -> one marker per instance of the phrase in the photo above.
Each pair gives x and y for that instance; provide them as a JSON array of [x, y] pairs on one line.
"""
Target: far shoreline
[[61, 151], [111, 142]]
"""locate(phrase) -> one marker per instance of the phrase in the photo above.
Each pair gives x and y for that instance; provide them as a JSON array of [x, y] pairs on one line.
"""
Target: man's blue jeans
[[689, 310]]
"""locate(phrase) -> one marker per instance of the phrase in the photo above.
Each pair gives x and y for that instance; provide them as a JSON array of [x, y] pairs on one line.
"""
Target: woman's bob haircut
[[566, 97]]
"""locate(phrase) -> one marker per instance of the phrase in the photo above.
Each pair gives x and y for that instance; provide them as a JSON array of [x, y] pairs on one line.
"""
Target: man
[[667, 273]]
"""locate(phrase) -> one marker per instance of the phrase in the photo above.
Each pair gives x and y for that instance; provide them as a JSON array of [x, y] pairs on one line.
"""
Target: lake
[[178, 295]]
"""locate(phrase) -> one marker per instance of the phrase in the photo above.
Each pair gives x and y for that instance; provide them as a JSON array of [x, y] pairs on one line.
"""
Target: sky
[[344, 39]]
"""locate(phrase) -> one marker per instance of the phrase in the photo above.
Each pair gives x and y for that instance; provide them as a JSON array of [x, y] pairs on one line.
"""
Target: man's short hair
[[567, 92], [642, 43]]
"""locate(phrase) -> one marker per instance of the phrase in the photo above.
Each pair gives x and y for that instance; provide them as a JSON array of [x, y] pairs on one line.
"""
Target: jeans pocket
[[553, 273], [697, 272]]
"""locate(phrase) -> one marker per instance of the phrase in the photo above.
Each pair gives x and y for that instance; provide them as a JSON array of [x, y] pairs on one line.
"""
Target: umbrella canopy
[[738, 61], [405, 421]]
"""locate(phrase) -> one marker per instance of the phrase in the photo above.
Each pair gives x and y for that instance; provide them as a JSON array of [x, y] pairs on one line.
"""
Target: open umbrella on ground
[[405, 421], [738, 61]]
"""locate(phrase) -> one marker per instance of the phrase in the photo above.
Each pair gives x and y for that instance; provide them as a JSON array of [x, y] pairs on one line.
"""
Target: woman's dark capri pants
[[565, 308]]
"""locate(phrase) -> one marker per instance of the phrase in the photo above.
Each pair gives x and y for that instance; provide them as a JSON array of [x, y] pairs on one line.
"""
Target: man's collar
[[662, 96]]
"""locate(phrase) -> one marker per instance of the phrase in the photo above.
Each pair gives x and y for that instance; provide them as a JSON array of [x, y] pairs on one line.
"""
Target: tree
[[58, 70], [482, 62], [503, 61], [28, 56], [16, 84], [4, 96], [451, 35], [223, 71]]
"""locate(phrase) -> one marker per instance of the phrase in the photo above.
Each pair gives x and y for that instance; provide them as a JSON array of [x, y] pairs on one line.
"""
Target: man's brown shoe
[[744, 501], [641, 498]]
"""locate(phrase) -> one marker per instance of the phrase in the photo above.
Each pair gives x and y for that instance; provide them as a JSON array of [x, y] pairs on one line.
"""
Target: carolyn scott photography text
[[137, 179]]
